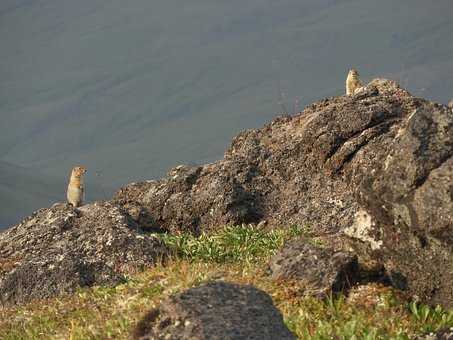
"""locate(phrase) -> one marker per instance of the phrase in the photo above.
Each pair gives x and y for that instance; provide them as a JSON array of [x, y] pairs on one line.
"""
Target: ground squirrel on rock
[[352, 82], [75, 186], [450, 104]]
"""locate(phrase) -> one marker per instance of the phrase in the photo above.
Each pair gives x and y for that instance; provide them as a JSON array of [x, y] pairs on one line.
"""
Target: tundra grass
[[235, 254]]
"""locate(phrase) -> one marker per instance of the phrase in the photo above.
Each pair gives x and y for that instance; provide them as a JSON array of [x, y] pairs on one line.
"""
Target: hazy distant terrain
[[23, 191], [129, 89]]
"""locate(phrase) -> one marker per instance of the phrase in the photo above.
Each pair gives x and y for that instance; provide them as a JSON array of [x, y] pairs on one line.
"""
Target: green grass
[[235, 254], [245, 243]]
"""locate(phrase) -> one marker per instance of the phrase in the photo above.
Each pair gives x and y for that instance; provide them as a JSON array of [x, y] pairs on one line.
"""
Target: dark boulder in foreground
[[60, 249], [216, 310], [373, 171], [321, 271]]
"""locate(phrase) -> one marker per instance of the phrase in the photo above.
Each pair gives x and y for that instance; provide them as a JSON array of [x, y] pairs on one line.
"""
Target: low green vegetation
[[236, 254], [245, 243]]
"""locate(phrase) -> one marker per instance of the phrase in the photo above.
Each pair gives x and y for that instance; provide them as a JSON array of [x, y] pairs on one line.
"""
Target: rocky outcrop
[[320, 271], [60, 249], [372, 171], [296, 170], [216, 310], [407, 205]]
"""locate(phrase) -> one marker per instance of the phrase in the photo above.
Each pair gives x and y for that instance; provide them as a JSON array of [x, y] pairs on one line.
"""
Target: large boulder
[[407, 201], [299, 169], [60, 249], [217, 310], [372, 171]]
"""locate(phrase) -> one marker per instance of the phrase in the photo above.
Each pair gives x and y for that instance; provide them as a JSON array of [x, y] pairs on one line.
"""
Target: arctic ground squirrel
[[353, 82], [75, 186]]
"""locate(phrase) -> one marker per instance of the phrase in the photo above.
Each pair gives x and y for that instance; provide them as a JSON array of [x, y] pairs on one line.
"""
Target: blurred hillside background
[[132, 88]]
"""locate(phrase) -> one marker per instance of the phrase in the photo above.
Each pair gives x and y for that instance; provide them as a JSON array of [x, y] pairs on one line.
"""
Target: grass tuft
[[245, 243]]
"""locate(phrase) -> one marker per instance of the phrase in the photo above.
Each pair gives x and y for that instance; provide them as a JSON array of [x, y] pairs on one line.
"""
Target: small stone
[[323, 270]]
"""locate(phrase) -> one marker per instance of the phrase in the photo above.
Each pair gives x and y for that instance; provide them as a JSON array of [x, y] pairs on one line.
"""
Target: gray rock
[[372, 171], [321, 271], [43, 279], [59, 249], [408, 199], [443, 334], [215, 311], [301, 169]]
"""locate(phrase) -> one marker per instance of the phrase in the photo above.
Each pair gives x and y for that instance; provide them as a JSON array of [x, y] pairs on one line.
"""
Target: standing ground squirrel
[[75, 186], [352, 82], [450, 104]]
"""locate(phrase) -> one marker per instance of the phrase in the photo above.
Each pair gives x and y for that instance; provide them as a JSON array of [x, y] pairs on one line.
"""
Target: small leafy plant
[[428, 316]]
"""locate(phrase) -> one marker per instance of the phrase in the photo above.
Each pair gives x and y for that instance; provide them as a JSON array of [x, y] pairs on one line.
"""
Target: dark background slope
[[132, 88], [24, 190]]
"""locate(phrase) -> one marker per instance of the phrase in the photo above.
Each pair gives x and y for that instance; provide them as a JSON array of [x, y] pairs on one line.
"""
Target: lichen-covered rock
[[43, 278], [408, 203], [320, 271], [216, 310], [59, 249], [374, 295], [373, 170], [301, 169], [193, 196]]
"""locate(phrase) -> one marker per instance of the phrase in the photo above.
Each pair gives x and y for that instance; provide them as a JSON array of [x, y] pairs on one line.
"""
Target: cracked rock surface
[[409, 202], [216, 310], [300, 169], [60, 249]]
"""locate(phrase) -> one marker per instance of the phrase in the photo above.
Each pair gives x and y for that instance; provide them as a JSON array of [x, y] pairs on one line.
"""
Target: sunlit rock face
[[374, 169], [60, 249]]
